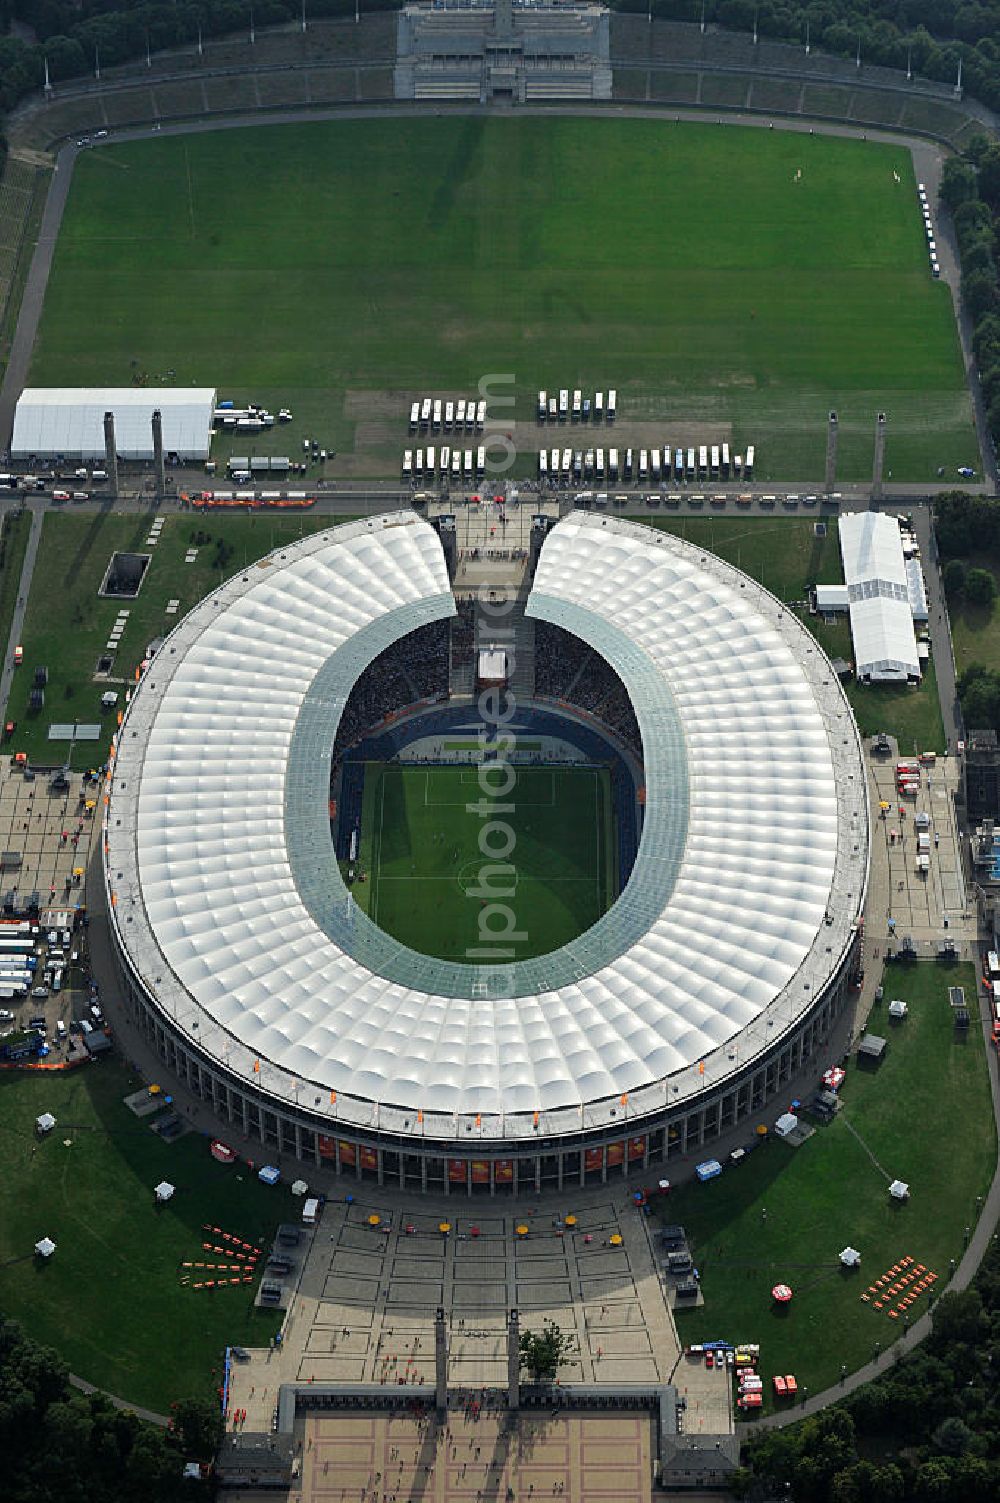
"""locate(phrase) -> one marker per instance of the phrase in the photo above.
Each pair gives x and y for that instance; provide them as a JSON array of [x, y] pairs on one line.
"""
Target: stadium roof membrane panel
[[228, 901]]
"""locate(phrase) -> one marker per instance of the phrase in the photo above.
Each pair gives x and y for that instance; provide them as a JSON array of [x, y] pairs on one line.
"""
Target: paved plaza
[[364, 1307], [579, 1456], [34, 819]]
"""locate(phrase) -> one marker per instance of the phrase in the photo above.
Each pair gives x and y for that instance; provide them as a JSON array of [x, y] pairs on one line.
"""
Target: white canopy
[[785, 1124], [45, 1247], [163, 1190], [850, 1257], [46, 1122], [299, 1187], [899, 1190], [885, 645], [69, 420], [898, 1009]]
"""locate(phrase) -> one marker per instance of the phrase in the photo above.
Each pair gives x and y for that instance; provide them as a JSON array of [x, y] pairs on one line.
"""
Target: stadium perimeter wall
[[460, 1167], [337, 64]]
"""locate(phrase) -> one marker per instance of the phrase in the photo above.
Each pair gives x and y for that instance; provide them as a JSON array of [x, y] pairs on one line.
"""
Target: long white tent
[[878, 591], [69, 421]]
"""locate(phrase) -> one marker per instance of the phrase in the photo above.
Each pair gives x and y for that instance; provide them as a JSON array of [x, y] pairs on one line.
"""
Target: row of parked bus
[[581, 409], [707, 462], [459, 464], [437, 413]]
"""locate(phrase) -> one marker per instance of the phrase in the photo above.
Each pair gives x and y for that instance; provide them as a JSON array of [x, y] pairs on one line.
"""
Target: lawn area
[[975, 629], [420, 847], [67, 624], [13, 546], [110, 1299], [781, 553], [366, 266], [785, 555], [927, 1117]]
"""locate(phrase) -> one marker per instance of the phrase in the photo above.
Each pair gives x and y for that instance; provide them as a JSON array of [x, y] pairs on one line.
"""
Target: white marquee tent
[[45, 1247], [878, 591], [69, 421]]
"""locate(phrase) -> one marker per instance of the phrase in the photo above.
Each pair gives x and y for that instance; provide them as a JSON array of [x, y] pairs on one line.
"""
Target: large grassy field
[[712, 275], [421, 853], [67, 624], [784, 1214], [110, 1299]]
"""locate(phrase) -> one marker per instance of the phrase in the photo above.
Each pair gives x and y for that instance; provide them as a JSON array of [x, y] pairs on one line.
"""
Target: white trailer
[[481, 417], [612, 407], [703, 462], [577, 405], [414, 416], [481, 460], [563, 405], [598, 406], [436, 415], [425, 412], [456, 464], [567, 463], [714, 463], [690, 467], [407, 463], [725, 462], [554, 464], [449, 415], [748, 463], [543, 464], [543, 406], [612, 464], [654, 464], [600, 464], [418, 462], [467, 464], [643, 464], [430, 464], [460, 413]]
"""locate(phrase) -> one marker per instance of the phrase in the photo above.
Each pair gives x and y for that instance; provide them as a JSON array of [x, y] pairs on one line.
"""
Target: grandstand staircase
[[491, 627]]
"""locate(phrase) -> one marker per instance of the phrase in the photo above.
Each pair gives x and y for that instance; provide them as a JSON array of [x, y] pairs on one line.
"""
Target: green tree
[[544, 1352], [198, 1427], [980, 587], [979, 293], [958, 182], [953, 575]]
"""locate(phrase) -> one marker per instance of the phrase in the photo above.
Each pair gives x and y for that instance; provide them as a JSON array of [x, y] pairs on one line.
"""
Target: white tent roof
[[885, 646], [785, 1124], [46, 1122], [45, 1247], [899, 1189], [754, 844], [69, 420], [831, 597], [163, 1190]]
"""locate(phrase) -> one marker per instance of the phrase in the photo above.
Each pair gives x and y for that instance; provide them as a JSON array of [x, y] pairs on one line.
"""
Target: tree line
[[968, 529], [931, 35], [924, 1431], [61, 1446], [970, 187]]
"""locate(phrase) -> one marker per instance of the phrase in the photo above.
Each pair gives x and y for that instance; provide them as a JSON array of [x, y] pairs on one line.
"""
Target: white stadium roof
[[885, 645], [743, 901], [69, 420]]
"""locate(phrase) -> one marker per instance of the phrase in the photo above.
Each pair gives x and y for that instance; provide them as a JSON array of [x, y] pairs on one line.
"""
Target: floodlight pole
[[48, 84], [909, 64], [149, 60], [807, 36], [97, 61], [357, 11], [201, 49], [703, 17], [859, 50], [303, 16], [756, 16], [958, 81], [253, 37]]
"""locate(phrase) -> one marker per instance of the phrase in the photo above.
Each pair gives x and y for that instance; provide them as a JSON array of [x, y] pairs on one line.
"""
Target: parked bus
[[445, 460], [418, 463], [612, 464], [430, 462], [690, 468], [577, 405], [703, 462], [654, 464], [598, 406], [449, 415], [480, 417], [725, 461], [543, 464], [628, 464], [407, 463], [436, 414], [460, 413], [543, 406], [714, 463], [567, 463], [456, 464], [563, 405], [748, 463], [414, 416], [554, 464], [643, 465], [425, 412], [612, 408]]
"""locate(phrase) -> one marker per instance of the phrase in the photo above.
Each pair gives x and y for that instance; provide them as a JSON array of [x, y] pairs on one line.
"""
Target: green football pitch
[[711, 274], [424, 867]]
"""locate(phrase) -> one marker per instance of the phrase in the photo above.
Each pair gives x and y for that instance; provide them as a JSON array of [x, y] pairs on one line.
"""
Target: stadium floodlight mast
[[201, 49], [909, 64], [703, 17], [253, 37], [97, 61], [48, 82], [859, 50], [756, 18], [149, 59], [807, 36], [303, 16]]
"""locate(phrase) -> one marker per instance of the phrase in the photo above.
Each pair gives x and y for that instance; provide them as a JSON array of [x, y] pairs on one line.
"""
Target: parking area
[[47, 824]]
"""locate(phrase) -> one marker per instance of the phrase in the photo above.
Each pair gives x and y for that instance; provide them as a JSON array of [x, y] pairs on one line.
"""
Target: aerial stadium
[[729, 939]]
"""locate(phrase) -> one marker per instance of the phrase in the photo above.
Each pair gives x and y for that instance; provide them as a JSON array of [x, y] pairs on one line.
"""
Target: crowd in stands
[[463, 632], [567, 668], [412, 669]]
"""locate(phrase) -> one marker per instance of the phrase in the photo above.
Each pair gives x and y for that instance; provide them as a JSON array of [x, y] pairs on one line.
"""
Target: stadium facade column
[[513, 1361], [161, 479], [832, 434], [879, 456], [111, 453], [440, 1362]]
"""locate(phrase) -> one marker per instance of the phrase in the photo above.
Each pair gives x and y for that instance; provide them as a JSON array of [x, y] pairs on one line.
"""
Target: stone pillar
[[161, 481], [879, 456], [503, 18], [111, 453], [832, 433], [513, 1362], [440, 1363]]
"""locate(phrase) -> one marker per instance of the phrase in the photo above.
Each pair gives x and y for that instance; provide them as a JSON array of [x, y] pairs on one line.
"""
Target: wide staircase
[[492, 628]]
